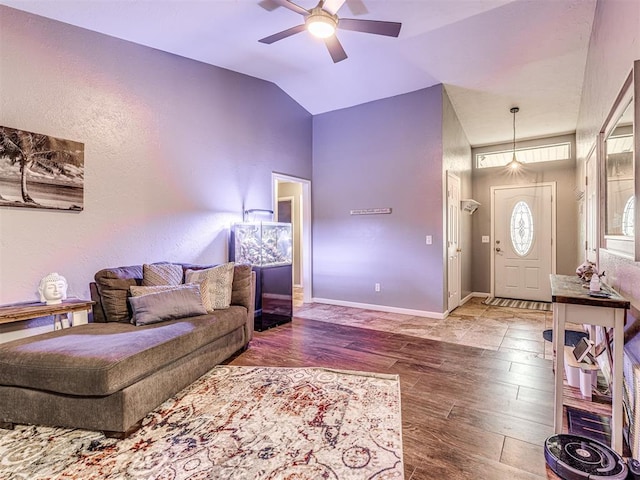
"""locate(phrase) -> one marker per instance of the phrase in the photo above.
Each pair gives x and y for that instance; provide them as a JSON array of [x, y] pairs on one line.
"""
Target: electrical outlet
[[429, 239], [377, 287]]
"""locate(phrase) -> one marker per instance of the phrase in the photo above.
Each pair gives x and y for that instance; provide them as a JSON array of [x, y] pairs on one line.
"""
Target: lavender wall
[[614, 45], [173, 151], [386, 153]]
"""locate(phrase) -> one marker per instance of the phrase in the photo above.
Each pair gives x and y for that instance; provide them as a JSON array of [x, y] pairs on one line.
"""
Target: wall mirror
[[621, 167]]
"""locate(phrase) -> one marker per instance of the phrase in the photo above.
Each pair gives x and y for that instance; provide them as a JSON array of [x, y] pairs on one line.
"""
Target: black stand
[[274, 296]]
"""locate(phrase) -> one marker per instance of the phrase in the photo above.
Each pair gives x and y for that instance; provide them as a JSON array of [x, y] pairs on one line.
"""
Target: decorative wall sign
[[39, 171], [370, 211]]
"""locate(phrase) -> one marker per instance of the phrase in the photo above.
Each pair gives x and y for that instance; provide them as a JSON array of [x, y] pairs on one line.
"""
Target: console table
[[572, 303], [75, 310]]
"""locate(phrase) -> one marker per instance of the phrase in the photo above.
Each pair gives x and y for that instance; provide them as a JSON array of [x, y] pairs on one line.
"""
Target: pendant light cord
[[514, 110], [514, 134]]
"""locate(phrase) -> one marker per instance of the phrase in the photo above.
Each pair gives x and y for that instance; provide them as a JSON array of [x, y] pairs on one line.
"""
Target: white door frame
[[306, 227], [554, 243], [294, 241], [451, 299], [591, 210]]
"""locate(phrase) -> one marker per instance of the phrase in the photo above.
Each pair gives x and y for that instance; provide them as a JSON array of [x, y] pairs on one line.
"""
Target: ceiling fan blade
[[357, 7], [335, 49], [289, 5], [390, 29], [283, 34], [332, 6], [269, 5]]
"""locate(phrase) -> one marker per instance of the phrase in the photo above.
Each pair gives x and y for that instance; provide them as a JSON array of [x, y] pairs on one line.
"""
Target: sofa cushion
[[220, 283], [137, 291], [241, 292], [113, 286], [101, 358], [178, 302], [161, 274]]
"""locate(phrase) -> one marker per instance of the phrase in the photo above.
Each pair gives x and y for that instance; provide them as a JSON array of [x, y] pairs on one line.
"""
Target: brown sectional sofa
[[107, 375]]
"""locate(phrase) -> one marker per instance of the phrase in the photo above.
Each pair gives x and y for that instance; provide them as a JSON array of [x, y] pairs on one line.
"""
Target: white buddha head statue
[[53, 289]]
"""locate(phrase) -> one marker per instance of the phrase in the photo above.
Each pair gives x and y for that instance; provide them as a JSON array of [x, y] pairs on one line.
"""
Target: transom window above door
[[542, 153]]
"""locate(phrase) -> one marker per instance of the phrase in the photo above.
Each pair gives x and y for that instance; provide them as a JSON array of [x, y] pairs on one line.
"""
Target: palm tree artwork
[[40, 171]]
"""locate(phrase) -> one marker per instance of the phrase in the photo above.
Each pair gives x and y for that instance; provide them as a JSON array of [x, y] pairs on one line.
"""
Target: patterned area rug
[[234, 423], [509, 302]]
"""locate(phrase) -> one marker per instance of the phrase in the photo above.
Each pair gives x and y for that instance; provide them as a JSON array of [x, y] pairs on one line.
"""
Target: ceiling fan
[[322, 21]]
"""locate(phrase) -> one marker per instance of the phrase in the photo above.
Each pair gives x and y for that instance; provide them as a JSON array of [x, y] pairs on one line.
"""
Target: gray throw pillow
[[138, 291], [167, 305]]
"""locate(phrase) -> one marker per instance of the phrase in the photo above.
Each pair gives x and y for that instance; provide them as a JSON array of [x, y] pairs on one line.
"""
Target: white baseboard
[[474, 295], [480, 294], [466, 299], [382, 308]]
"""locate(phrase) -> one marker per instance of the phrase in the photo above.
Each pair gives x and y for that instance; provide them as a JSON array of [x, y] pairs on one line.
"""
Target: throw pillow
[[161, 274], [167, 305], [220, 283], [203, 284]]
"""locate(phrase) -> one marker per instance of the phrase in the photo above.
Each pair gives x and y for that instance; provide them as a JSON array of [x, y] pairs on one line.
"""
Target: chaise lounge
[[107, 375]]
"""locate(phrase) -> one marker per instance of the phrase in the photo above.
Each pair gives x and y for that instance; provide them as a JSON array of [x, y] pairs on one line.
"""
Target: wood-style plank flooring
[[468, 412]]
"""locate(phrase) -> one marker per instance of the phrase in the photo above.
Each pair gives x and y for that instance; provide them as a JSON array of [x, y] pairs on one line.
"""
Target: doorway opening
[[523, 225], [292, 203]]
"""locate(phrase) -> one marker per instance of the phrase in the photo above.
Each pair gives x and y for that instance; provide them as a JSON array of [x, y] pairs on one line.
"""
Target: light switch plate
[[485, 239]]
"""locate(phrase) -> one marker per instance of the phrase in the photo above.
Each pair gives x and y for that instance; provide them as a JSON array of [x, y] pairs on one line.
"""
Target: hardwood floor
[[468, 412]]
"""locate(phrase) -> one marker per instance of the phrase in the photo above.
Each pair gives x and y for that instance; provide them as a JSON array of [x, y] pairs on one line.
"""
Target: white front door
[[523, 219], [453, 240]]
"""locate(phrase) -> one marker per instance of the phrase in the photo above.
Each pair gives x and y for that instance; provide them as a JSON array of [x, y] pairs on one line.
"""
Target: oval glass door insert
[[521, 228], [628, 217]]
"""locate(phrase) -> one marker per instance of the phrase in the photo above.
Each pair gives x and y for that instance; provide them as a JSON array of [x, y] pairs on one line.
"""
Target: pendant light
[[514, 164]]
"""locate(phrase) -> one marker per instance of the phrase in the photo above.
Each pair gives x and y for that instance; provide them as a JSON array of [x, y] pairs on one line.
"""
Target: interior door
[[523, 228], [453, 240]]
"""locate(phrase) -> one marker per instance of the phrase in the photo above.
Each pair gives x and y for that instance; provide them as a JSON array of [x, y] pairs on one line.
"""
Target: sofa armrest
[[244, 293], [98, 312]]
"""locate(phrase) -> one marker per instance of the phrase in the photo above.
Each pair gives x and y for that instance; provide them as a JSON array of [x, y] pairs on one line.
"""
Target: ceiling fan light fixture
[[321, 24]]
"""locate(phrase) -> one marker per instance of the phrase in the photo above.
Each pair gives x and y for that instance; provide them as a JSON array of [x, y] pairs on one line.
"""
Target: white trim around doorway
[[307, 275]]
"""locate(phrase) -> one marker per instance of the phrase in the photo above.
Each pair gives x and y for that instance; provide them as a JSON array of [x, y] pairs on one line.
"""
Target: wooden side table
[[73, 310], [572, 303]]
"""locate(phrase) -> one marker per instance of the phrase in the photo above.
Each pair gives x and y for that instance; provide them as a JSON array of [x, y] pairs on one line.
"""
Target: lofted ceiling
[[490, 54]]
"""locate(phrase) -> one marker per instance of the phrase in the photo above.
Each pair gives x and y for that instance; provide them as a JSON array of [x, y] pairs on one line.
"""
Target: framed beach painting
[[40, 171]]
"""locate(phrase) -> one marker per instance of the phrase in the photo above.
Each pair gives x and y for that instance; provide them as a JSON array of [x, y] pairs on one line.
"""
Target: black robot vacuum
[[573, 457]]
